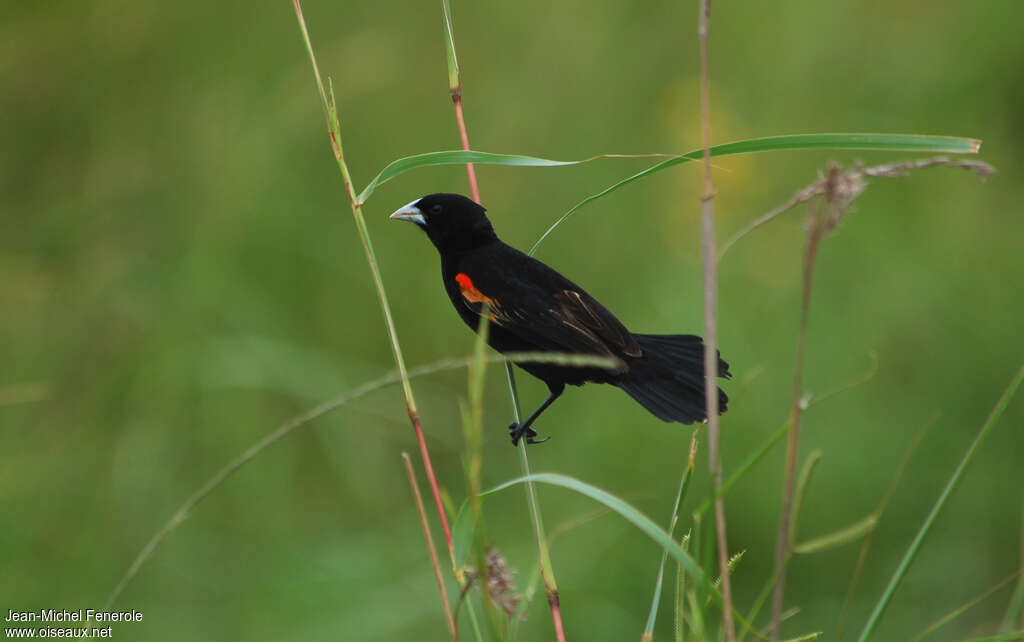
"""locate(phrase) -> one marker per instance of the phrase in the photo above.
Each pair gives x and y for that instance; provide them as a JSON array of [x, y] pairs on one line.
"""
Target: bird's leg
[[523, 428]]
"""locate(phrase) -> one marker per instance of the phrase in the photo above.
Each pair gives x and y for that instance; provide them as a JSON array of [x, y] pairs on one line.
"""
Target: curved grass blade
[[915, 545], [307, 417], [801, 491], [454, 157], [684, 486], [459, 157], [866, 141], [665, 164], [877, 142], [250, 453], [747, 465], [628, 512], [463, 532], [678, 608], [632, 515], [957, 612], [1016, 605], [835, 539]]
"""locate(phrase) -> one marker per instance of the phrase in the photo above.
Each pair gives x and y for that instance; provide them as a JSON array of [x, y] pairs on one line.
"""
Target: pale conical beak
[[410, 213]]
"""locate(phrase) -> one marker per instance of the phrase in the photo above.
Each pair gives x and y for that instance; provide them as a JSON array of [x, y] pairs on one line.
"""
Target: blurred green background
[[181, 274]]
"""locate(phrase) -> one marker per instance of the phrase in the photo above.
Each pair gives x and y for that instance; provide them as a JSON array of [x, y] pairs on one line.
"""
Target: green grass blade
[[747, 465], [1016, 602], [463, 532], [632, 515], [838, 538], [678, 607], [877, 142], [458, 157], [472, 423], [265, 442], [684, 486], [866, 141], [1013, 616], [960, 610], [665, 164], [707, 557], [696, 617], [454, 78], [881, 142], [1013, 611], [759, 601], [625, 510], [915, 545], [801, 491]]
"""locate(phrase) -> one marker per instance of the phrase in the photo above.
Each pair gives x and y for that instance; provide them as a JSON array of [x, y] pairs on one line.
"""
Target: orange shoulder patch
[[469, 291]]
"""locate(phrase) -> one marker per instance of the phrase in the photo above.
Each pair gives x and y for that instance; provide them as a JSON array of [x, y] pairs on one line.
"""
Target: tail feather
[[668, 379]]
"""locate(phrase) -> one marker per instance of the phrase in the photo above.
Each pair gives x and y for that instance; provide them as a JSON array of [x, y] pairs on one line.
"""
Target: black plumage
[[533, 308]]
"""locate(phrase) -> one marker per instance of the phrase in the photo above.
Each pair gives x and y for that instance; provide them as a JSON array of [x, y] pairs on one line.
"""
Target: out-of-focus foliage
[[180, 274]]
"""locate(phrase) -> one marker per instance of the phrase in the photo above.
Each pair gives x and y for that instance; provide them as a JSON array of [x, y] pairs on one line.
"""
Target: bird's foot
[[518, 431]]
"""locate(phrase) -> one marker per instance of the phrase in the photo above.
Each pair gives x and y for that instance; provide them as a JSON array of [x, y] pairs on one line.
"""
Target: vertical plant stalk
[[334, 130], [707, 216], [472, 426], [684, 485], [782, 545], [547, 569], [449, 620], [455, 90], [543, 552]]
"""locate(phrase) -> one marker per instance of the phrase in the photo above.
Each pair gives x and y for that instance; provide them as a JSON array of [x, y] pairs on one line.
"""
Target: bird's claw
[[518, 431]]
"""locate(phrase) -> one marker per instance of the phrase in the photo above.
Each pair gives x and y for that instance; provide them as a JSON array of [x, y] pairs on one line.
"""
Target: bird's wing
[[564, 320]]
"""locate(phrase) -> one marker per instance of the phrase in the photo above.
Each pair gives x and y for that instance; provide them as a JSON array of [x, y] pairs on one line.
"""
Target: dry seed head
[[500, 584]]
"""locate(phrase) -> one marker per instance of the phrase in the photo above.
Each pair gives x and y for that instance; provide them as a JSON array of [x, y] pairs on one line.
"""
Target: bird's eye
[[435, 209]]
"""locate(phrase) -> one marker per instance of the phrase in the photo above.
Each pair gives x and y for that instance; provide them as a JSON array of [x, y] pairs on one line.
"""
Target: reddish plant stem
[[782, 544], [334, 131], [556, 614], [449, 620], [429, 468], [710, 325], [550, 588], [474, 187]]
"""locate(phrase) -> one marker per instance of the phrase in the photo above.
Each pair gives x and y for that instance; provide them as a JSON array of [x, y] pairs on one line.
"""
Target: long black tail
[[668, 379]]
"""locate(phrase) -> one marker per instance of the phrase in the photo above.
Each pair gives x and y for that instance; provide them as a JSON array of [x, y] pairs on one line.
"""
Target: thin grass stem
[[334, 130], [684, 485], [710, 324], [251, 452], [1014, 616], [782, 546], [957, 612], [449, 620], [303, 419], [544, 554]]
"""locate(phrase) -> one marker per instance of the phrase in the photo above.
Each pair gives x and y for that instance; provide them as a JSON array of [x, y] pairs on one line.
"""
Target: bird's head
[[452, 221]]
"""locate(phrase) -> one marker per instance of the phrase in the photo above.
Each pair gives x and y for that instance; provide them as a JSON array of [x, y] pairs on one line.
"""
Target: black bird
[[533, 308]]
